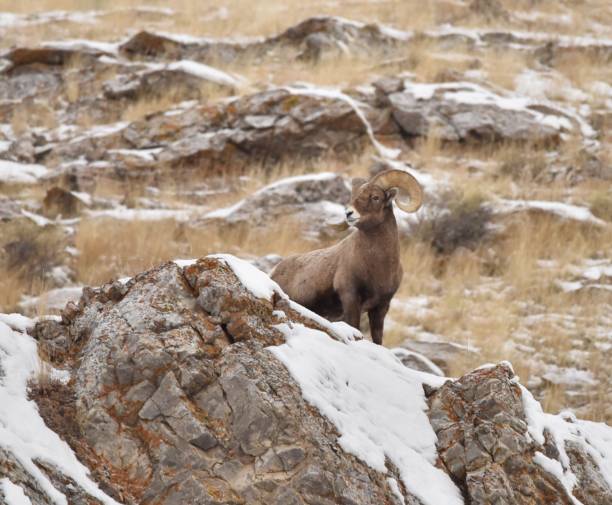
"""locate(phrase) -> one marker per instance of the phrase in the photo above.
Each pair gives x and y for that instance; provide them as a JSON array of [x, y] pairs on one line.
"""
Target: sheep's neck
[[381, 241]]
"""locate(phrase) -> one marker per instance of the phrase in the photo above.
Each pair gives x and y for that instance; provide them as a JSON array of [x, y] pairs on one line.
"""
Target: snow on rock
[[13, 494], [563, 210], [335, 94], [376, 403], [23, 433], [21, 173], [455, 109], [53, 300], [125, 214], [83, 45], [16, 322], [256, 282], [316, 202], [206, 72], [261, 286], [280, 187], [417, 361], [594, 438]]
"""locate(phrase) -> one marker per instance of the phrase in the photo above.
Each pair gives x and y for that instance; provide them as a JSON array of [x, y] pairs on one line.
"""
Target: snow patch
[[13, 494], [206, 72], [261, 286], [594, 438], [377, 405], [21, 173], [125, 214], [22, 431], [335, 94], [564, 210], [83, 45]]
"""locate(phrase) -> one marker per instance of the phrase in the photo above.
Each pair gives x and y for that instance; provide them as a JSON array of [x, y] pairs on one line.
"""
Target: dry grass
[[482, 299], [138, 246], [27, 255], [30, 114], [150, 103], [337, 69], [12, 286], [502, 66], [582, 70], [601, 205]]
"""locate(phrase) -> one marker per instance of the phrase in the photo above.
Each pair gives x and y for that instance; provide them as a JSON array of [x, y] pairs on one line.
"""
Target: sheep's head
[[370, 200]]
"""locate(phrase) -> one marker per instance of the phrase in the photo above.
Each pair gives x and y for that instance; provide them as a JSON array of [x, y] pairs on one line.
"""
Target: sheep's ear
[[390, 194], [357, 182]]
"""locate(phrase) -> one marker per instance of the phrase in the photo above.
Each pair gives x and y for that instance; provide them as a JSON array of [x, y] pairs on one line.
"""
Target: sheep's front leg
[[376, 317], [351, 308]]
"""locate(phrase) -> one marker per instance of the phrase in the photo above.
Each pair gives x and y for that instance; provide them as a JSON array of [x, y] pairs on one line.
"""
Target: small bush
[[601, 206], [29, 251], [464, 225]]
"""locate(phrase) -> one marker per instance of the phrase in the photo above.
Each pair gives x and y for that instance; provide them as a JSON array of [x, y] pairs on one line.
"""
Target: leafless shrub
[[464, 224]]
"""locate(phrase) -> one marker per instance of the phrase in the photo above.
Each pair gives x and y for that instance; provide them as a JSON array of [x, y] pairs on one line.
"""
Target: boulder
[[265, 128], [459, 112], [192, 408], [308, 39], [442, 354], [501, 448], [313, 200]]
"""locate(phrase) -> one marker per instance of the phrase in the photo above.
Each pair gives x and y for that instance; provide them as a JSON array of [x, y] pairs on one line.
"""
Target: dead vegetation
[[462, 225], [485, 298], [140, 245], [28, 256]]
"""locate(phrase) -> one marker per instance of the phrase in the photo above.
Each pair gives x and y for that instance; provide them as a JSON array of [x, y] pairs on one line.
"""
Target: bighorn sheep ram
[[362, 272]]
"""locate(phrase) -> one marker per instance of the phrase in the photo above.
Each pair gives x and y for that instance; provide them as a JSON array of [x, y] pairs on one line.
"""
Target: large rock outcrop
[[175, 397], [192, 408], [315, 201], [485, 443]]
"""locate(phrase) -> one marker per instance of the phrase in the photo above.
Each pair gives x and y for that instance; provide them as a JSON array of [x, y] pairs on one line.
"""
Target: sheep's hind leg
[[376, 317]]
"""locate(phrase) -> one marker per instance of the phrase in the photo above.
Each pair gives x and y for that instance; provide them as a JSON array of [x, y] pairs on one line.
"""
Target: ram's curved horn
[[406, 183]]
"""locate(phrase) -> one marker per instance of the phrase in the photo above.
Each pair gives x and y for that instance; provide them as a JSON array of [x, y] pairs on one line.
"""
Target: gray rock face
[[465, 112], [176, 392], [443, 354], [308, 40], [312, 200], [157, 82], [481, 426], [11, 468]]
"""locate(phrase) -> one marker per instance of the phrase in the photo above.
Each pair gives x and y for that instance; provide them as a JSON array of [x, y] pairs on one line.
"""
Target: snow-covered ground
[[23, 432]]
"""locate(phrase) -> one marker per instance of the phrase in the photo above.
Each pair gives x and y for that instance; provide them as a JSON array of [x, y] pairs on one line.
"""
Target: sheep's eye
[[375, 198]]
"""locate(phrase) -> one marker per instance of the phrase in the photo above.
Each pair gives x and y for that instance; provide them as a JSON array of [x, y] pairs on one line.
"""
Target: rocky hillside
[[130, 136], [200, 382], [134, 135]]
